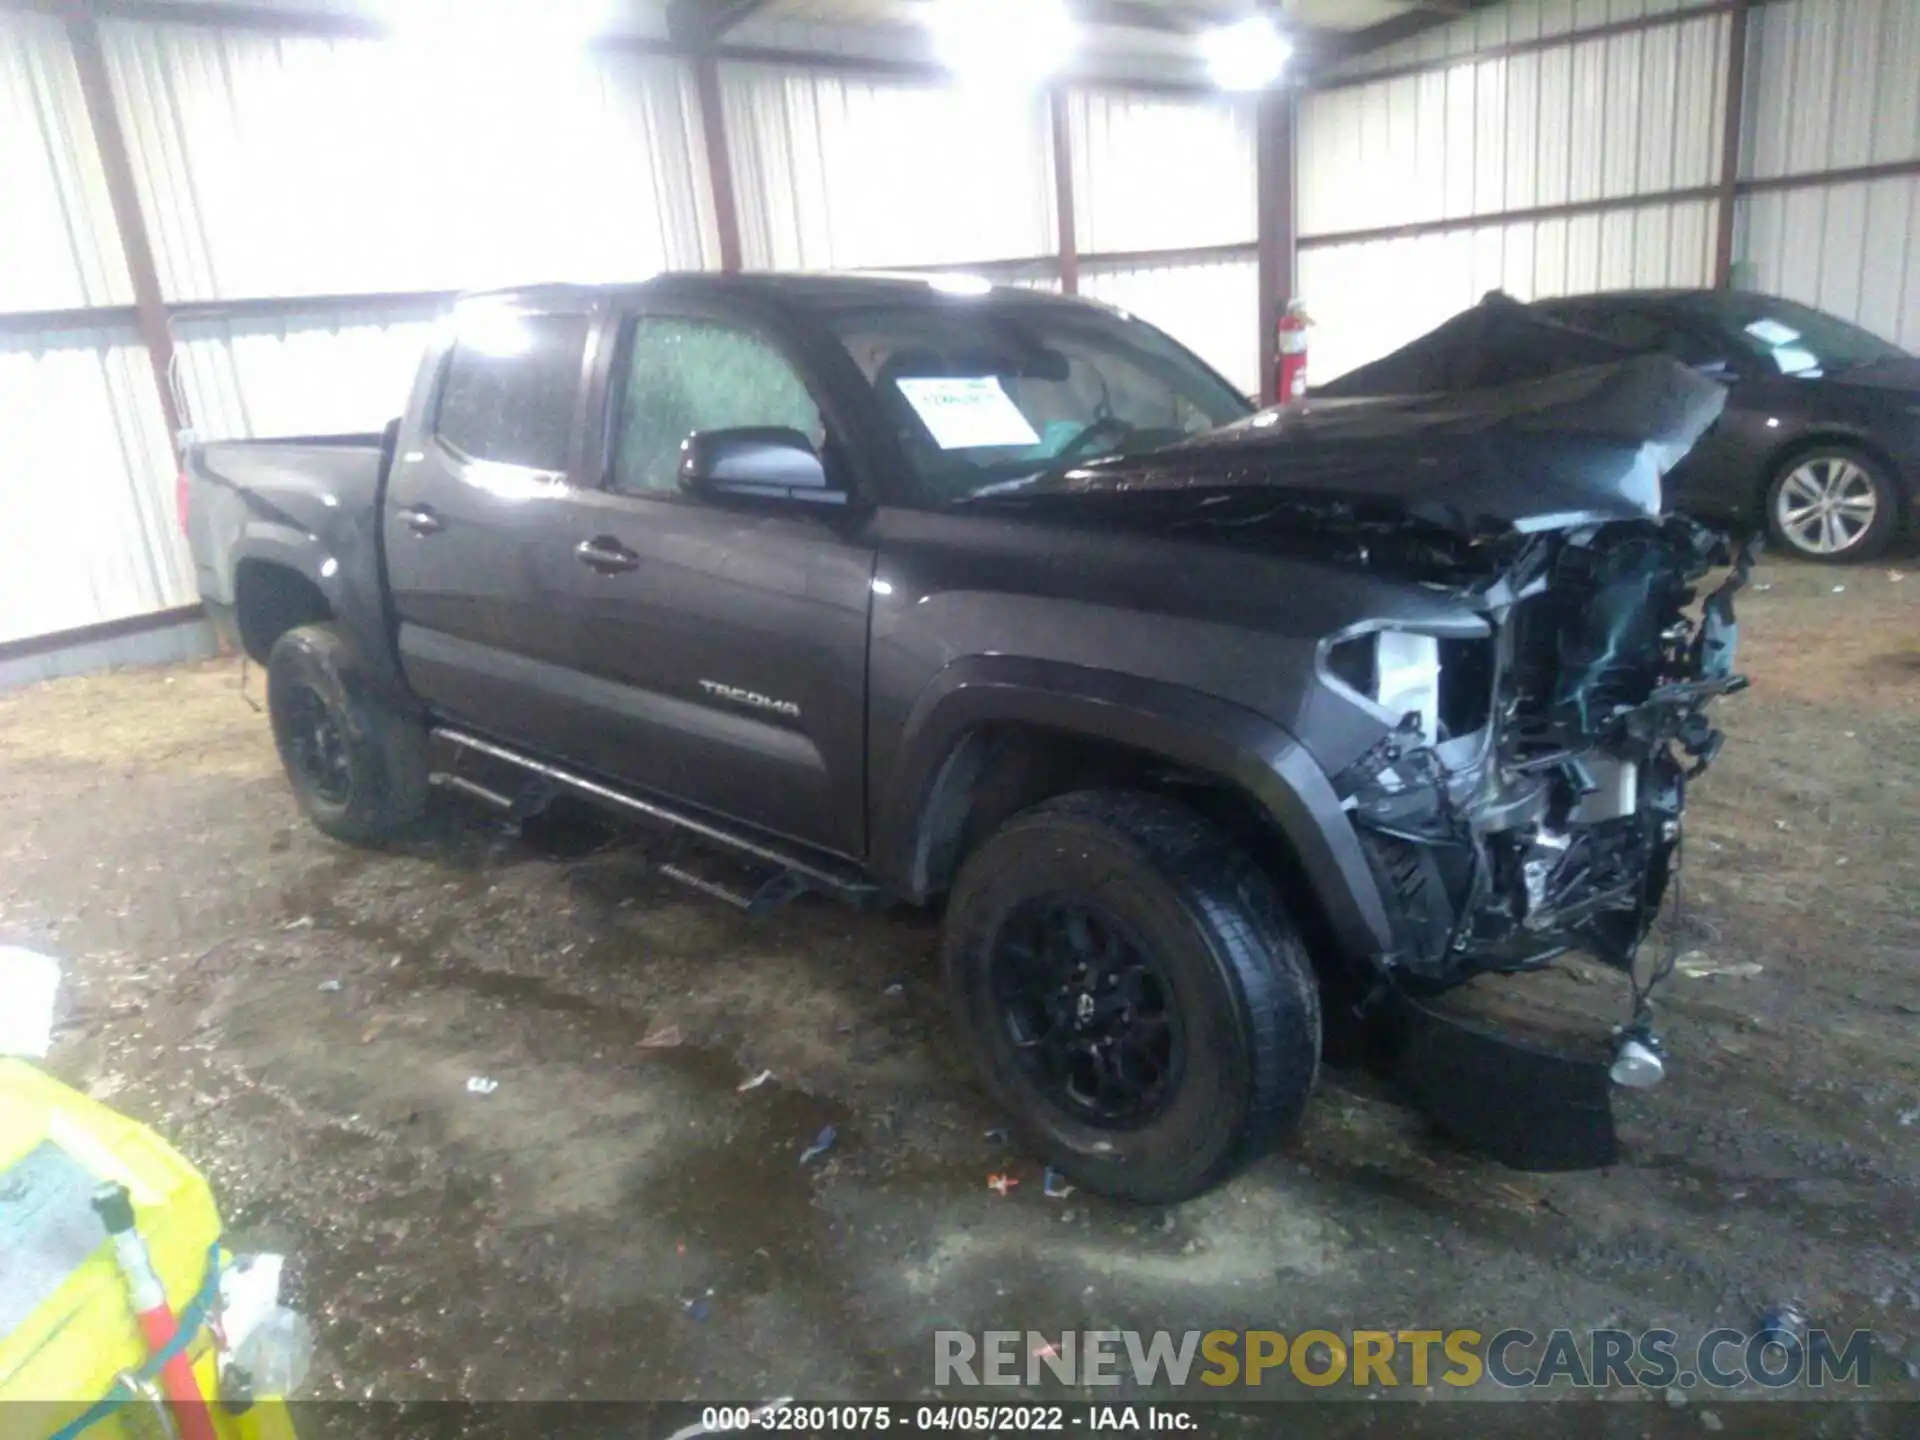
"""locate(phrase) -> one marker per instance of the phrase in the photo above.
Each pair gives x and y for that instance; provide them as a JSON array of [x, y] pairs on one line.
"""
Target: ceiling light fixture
[[1008, 43], [1249, 54]]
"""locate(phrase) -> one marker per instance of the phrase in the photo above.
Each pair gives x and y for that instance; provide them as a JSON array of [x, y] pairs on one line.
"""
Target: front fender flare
[[1194, 730]]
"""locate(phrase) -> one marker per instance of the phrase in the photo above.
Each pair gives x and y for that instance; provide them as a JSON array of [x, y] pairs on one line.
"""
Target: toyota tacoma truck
[[1199, 722]]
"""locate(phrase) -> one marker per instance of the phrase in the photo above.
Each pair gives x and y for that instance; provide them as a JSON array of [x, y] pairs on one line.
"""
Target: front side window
[[982, 395], [511, 382], [684, 376]]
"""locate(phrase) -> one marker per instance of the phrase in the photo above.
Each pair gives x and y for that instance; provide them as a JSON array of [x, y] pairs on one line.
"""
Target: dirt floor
[[620, 1217]]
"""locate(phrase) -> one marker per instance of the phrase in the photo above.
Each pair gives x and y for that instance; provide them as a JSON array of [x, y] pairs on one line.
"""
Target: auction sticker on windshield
[[967, 412]]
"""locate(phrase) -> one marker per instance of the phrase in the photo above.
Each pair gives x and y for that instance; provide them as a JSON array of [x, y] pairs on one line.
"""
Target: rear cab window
[[511, 385]]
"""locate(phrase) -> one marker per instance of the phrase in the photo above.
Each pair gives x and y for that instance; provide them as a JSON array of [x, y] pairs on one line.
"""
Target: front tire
[[358, 766], [1138, 1002], [1834, 504]]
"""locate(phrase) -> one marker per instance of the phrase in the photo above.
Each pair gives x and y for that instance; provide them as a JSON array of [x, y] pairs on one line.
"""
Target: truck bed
[[308, 502]]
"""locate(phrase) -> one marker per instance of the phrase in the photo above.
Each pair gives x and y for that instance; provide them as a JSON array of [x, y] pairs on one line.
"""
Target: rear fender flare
[[1196, 731], [348, 583]]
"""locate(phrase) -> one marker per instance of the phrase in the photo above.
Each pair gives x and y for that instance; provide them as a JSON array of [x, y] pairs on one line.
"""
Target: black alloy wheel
[[1088, 1011]]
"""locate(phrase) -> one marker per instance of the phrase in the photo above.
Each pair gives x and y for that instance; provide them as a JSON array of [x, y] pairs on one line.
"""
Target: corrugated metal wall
[[58, 246], [1492, 26], [276, 167], [840, 172], [1370, 297], [1211, 307], [86, 499], [1153, 172], [286, 165], [86, 495], [1835, 84], [1157, 173], [1606, 118], [327, 371]]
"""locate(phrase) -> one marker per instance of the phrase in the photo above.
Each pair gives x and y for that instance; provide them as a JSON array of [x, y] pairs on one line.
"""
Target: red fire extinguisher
[[1291, 382]]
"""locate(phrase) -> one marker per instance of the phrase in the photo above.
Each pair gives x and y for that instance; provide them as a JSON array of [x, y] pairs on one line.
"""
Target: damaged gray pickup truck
[[1198, 722]]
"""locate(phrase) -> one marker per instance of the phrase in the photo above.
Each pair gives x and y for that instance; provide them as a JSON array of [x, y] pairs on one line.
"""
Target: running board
[[792, 874], [773, 892]]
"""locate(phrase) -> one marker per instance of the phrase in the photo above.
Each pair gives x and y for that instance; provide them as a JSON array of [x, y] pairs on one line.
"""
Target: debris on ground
[[481, 1085], [1839, 589], [1698, 965], [896, 989], [1676, 1397], [1908, 1118], [305, 922], [1784, 1322], [1002, 1184], [822, 1143], [996, 1136], [754, 1084], [698, 1307], [1054, 1185], [29, 986], [329, 987], [665, 1038], [1711, 1422], [1896, 576]]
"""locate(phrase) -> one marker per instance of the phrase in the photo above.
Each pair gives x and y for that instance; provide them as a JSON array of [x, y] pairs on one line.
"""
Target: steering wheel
[[1090, 434]]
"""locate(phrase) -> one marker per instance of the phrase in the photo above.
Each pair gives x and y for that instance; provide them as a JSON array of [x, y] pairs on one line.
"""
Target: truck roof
[[811, 289]]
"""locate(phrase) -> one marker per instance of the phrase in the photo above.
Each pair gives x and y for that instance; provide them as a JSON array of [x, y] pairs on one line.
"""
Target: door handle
[[423, 520], [606, 554]]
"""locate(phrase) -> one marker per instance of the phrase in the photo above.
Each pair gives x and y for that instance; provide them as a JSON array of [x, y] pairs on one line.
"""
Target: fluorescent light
[[1011, 43], [1246, 55]]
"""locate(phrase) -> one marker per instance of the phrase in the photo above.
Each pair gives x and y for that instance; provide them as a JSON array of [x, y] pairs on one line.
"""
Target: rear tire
[[358, 765], [1833, 504], [1206, 1027]]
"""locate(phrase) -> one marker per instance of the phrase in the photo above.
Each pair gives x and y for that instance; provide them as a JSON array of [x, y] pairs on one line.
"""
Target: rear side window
[[511, 381]]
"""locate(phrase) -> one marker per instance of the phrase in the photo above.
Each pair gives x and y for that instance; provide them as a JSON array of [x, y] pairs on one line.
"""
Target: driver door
[[721, 645]]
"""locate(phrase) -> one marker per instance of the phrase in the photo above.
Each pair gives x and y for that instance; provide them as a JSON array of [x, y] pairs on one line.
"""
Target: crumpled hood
[[1581, 447]]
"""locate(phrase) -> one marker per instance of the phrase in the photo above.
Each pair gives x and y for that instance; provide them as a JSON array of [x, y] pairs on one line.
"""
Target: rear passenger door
[[476, 529]]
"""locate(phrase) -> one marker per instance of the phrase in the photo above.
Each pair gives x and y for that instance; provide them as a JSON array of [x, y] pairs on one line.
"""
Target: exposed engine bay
[[1530, 800]]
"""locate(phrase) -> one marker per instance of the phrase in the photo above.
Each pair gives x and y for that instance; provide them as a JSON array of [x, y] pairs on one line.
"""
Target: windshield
[[984, 395], [1797, 339]]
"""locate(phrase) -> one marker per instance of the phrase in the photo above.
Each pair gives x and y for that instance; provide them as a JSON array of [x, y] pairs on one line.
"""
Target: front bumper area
[[1519, 1103], [1558, 830]]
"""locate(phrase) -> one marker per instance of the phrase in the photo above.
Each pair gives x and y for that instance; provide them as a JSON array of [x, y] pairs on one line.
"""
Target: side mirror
[[757, 462]]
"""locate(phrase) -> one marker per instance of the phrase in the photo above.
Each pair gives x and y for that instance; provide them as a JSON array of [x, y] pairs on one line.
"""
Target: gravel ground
[[621, 1218]]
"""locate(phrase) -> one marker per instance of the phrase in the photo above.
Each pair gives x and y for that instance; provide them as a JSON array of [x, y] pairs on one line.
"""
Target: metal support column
[[1728, 198], [1069, 239], [1274, 164], [713, 125], [150, 310]]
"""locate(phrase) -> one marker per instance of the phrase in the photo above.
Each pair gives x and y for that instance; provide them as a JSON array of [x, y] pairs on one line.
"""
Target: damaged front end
[[1529, 802], [1512, 715]]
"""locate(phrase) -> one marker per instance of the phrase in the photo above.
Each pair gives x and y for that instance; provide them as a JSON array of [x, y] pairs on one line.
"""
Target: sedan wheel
[[1831, 505]]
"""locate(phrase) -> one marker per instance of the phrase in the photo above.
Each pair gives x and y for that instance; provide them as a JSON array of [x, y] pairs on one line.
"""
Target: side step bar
[[806, 874]]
